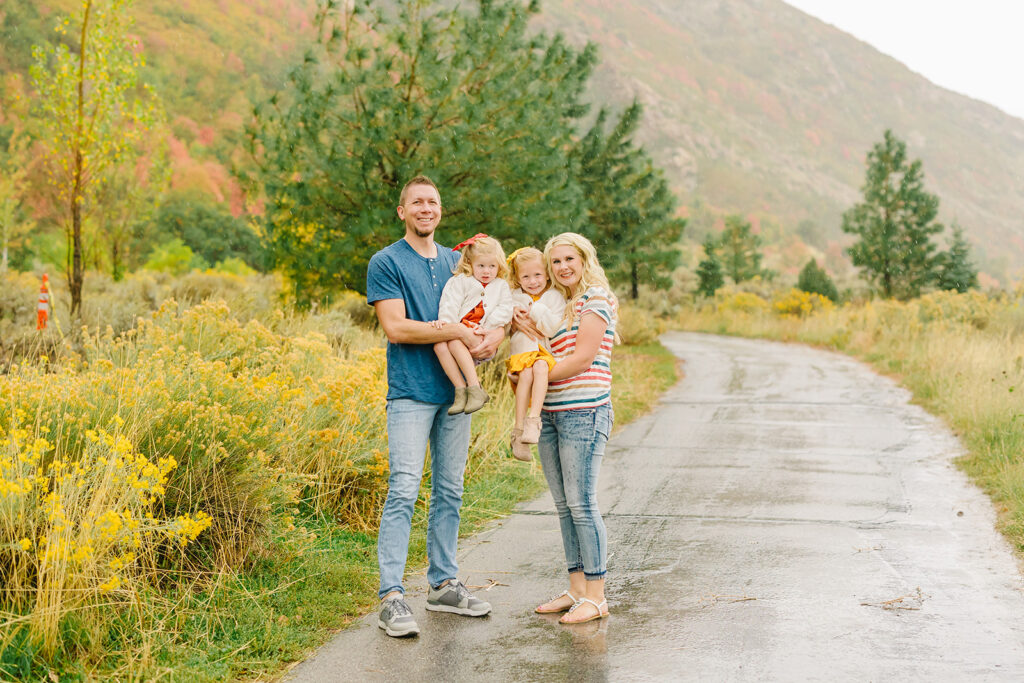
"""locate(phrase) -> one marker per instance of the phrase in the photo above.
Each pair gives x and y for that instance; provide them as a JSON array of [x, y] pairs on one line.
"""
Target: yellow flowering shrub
[[255, 419], [740, 302], [800, 304], [73, 528], [973, 308], [183, 445]]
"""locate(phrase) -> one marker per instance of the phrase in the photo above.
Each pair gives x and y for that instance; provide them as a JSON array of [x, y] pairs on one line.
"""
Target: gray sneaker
[[396, 618], [453, 597]]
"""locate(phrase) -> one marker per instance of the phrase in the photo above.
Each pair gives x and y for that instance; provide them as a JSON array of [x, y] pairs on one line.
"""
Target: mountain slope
[[207, 60], [754, 106]]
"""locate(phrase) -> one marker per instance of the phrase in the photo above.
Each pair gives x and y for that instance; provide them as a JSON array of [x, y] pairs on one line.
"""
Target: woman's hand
[[521, 322]]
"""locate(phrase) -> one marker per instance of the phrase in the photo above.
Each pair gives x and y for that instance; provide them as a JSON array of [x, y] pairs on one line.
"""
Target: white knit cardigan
[[464, 292], [547, 312]]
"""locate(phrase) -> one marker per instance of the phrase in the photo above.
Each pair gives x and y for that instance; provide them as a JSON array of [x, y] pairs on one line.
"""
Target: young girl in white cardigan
[[529, 358], [479, 297]]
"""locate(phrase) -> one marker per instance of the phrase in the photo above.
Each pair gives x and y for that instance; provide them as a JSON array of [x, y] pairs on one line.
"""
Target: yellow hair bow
[[512, 256]]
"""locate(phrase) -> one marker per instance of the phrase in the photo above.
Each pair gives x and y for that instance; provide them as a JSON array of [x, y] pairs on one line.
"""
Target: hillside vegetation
[[207, 63], [753, 106]]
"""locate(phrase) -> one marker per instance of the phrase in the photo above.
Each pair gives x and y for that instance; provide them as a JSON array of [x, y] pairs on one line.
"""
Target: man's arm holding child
[[489, 346], [401, 330]]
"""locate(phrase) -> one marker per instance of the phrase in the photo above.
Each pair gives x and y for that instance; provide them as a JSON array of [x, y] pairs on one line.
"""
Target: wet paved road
[[783, 515]]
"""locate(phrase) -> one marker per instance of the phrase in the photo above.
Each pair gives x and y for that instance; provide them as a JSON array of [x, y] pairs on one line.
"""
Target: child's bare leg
[[465, 362], [531, 423], [540, 387], [449, 364], [523, 395]]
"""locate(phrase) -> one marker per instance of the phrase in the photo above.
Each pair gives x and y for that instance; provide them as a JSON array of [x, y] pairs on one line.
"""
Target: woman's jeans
[[571, 446], [410, 424]]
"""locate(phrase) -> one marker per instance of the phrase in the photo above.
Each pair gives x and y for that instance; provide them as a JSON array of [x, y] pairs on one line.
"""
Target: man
[[404, 283]]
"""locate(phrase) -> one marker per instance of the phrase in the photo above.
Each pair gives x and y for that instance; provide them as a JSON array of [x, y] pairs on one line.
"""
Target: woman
[[577, 420]]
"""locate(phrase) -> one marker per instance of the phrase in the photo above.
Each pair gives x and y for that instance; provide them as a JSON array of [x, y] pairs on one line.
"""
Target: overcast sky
[[974, 47]]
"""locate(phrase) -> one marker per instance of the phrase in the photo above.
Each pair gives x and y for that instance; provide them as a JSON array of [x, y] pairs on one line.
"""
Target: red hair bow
[[470, 241]]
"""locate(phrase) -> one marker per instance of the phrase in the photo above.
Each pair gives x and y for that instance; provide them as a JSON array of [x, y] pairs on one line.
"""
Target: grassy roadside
[[251, 625], [960, 355]]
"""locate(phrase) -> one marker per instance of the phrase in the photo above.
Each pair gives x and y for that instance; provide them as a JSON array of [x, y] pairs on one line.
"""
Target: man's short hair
[[418, 180]]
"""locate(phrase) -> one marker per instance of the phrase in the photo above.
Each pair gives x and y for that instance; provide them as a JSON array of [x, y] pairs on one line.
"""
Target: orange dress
[[473, 318]]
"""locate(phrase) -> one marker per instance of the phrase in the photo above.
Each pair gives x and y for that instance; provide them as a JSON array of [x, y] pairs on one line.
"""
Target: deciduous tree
[[15, 223], [208, 229], [92, 113], [128, 200]]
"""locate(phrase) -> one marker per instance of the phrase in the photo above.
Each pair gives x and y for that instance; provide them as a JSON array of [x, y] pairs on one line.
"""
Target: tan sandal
[[602, 612], [563, 594]]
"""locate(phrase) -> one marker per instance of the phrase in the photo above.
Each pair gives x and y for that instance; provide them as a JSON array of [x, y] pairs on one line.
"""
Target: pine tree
[[894, 223], [956, 271], [740, 250], [631, 215], [814, 280], [709, 271], [470, 97]]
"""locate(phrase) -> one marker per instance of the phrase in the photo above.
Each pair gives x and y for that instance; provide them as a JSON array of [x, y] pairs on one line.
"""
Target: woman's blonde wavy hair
[[483, 246], [592, 275]]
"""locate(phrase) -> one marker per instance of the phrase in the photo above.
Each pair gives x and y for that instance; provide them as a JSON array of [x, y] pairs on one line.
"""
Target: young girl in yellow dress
[[476, 296], [529, 358]]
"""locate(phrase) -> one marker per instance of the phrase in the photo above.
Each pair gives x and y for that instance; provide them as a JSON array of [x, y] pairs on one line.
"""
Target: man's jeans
[[571, 446], [410, 424]]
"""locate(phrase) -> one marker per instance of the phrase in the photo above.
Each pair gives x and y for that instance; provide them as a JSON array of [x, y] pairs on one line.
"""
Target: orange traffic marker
[[43, 307]]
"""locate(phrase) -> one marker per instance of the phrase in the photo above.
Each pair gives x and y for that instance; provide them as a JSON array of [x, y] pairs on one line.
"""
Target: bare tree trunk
[[115, 260], [7, 218], [77, 274]]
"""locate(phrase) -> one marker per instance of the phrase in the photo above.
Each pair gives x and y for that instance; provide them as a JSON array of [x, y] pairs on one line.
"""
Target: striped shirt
[[593, 386]]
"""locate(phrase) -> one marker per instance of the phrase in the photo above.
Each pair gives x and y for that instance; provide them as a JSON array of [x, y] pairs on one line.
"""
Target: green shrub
[[814, 280]]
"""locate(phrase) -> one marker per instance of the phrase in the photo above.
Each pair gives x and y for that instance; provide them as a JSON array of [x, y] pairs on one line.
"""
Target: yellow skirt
[[521, 361]]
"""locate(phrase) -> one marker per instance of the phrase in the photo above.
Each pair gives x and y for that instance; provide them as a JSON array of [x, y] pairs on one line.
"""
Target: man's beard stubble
[[422, 233]]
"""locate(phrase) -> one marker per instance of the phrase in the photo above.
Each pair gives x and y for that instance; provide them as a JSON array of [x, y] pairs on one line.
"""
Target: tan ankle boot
[[459, 404], [520, 451], [531, 430], [476, 397]]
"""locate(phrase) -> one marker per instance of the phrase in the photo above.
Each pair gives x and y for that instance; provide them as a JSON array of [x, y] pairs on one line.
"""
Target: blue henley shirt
[[398, 272]]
